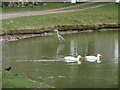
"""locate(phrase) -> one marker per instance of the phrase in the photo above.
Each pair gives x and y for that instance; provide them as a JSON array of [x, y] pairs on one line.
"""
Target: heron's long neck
[[57, 33]]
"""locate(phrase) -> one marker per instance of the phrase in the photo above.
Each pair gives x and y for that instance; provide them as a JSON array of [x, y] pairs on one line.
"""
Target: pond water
[[42, 59]]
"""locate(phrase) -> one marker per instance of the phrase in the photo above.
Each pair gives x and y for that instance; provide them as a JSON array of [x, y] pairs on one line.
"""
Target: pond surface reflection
[[42, 59]]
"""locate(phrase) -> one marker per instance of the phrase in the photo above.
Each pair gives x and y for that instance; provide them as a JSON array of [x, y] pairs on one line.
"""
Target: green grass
[[11, 80], [106, 14], [47, 7]]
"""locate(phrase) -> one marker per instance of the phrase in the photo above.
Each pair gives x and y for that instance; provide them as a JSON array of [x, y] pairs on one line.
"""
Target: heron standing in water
[[59, 36]]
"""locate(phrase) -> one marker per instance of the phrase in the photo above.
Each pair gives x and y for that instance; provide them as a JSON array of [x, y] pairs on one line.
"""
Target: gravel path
[[52, 11]]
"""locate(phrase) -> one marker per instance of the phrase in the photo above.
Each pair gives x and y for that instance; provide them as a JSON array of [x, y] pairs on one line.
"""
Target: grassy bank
[[33, 24], [36, 8], [61, 28], [11, 80]]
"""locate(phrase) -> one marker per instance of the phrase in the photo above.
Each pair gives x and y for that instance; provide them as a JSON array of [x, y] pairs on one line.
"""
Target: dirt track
[[52, 11]]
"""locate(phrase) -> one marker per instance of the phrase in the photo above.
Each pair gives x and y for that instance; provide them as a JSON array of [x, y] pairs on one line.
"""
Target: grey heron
[[59, 36]]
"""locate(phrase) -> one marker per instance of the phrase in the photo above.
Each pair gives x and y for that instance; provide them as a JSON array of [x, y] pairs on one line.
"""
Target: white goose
[[93, 58], [72, 59]]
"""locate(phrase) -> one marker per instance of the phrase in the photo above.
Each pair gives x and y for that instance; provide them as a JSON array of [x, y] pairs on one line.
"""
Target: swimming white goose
[[93, 58], [72, 59]]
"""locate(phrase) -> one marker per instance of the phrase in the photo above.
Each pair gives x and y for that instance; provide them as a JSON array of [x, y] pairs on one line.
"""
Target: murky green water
[[41, 59]]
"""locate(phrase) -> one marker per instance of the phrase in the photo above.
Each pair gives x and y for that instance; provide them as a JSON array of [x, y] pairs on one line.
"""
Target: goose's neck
[[98, 58], [78, 57]]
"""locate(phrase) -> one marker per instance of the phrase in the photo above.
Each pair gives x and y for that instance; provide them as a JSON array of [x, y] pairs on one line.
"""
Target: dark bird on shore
[[8, 69]]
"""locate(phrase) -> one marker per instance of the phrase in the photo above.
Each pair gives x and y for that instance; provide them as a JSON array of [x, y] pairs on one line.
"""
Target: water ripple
[[37, 60]]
